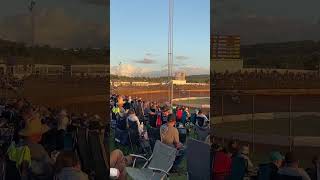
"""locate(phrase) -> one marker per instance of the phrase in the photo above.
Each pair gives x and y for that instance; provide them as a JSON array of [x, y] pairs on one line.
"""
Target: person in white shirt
[[133, 118], [63, 120]]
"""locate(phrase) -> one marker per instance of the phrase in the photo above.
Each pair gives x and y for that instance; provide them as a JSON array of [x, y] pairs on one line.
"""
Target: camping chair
[[182, 135], [264, 172], [121, 136], [83, 151], [287, 177], [238, 168], [200, 121], [198, 163], [202, 133], [154, 135], [157, 166], [98, 155]]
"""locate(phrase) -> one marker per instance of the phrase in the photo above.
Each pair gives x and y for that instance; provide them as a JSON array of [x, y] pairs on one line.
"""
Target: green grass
[[195, 101]]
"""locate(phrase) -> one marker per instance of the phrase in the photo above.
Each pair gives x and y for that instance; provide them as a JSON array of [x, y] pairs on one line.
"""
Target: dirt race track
[[274, 101], [75, 95], [267, 102], [160, 93]]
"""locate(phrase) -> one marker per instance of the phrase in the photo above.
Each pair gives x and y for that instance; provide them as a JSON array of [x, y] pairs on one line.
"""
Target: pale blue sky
[[139, 32]]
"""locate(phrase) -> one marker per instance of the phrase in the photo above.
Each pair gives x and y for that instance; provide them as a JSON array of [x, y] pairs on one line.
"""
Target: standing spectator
[[291, 168], [185, 115], [152, 115], [233, 147], [179, 114]]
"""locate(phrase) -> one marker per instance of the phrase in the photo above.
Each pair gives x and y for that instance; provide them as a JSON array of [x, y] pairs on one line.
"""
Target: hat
[[34, 127], [244, 150], [275, 156]]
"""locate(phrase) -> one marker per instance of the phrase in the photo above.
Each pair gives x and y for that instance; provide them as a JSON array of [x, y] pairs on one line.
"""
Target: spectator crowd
[[38, 142], [266, 79]]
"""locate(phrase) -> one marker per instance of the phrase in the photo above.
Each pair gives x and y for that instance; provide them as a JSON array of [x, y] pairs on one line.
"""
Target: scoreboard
[[225, 47]]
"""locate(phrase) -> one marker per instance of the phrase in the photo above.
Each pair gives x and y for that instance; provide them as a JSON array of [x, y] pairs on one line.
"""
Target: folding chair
[[264, 172], [83, 150], [287, 177], [121, 136], [198, 163], [98, 158], [157, 166], [201, 132], [154, 135], [182, 135]]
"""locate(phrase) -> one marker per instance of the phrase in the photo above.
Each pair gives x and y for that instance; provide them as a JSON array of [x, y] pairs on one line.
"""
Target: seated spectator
[[270, 171], [233, 147], [170, 136], [41, 164], [68, 167], [312, 172], [120, 162], [221, 164], [132, 118], [291, 168], [242, 167]]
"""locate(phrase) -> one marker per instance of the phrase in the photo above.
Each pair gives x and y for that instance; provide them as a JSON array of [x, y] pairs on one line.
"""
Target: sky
[[139, 37], [267, 21], [58, 23]]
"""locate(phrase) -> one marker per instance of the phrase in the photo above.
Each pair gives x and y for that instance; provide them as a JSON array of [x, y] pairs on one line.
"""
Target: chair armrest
[[138, 156], [156, 169]]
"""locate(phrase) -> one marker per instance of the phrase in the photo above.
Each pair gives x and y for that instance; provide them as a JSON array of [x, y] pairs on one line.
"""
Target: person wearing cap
[[269, 171], [41, 163], [169, 135], [291, 168]]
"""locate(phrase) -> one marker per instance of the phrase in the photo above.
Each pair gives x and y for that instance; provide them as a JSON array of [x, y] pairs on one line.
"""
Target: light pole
[[31, 7], [170, 52]]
